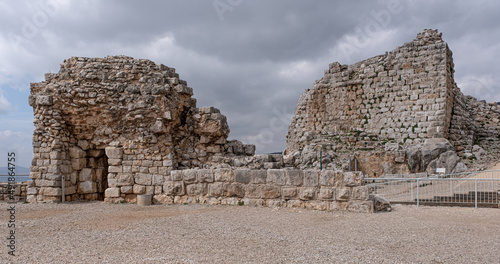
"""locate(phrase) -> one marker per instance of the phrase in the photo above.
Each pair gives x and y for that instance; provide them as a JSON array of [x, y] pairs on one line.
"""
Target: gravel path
[[96, 232]]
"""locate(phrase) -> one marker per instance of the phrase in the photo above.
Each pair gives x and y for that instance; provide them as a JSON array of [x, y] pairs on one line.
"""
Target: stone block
[[87, 187], [311, 178], [115, 169], [249, 149], [326, 193], [294, 177], [139, 189], [52, 191], [243, 176], [307, 193], [252, 191], [114, 162], [190, 175], [173, 188], [196, 189], [77, 153], [259, 176], [78, 164], [123, 179], [353, 178], [95, 153], [327, 178], [126, 189], [289, 192], [343, 194], [270, 191], [205, 175], [44, 100], [86, 175], [224, 175], [32, 191], [176, 175], [235, 189], [112, 192], [216, 189], [70, 190], [276, 177], [360, 193], [157, 180], [114, 152], [143, 179]]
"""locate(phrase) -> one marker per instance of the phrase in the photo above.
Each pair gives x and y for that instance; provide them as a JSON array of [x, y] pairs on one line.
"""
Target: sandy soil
[[96, 232]]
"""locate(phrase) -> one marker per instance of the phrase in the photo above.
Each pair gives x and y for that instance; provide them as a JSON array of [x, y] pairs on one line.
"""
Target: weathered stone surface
[[276, 177], [243, 176], [381, 204], [326, 193], [259, 176], [205, 176], [307, 193], [311, 178], [343, 194], [196, 189], [112, 192], [289, 192], [224, 175], [294, 177]]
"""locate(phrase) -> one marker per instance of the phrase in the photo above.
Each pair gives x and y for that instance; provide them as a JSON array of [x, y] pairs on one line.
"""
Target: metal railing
[[445, 190]]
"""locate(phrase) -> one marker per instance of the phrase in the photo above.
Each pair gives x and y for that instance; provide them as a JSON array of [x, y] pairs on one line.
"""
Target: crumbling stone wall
[[119, 122], [387, 103], [321, 190]]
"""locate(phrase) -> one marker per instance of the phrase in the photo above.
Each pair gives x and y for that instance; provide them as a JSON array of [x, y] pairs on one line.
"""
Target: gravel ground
[[95, 232]]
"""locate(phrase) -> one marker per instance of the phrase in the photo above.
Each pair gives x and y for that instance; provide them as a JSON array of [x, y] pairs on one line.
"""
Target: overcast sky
[[251, 59]]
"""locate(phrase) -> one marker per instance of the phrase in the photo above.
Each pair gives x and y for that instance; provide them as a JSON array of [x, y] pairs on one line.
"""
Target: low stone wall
[[19, 193], [315, 189]]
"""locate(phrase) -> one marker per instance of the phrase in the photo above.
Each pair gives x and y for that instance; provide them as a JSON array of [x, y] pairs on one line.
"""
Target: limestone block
[[249, 149], [326, 193], [114, 162], [259, 176], [235, 189], [338, 205], [353, 178], [139, 189], [95, 153], [294, 177], [307, 193], [190, 175], [196, 189], [253, 191], [126, 189], [360, 193], [157, 180], [150, 190], [86, 175], [115, 169], [216, 189], [77, 153], [289, 192], [173, 188], [224, 175], [176, 175], [276, 177], [205, 175], [112, 192], [32, 191], [270, 191], [327, 178], [51, 191], [78, 164], [87, 187], [123, 179], [143, 179], [343, 194], [243, 176], [114, 152], [44, 100], [311, 178], [70, 190]]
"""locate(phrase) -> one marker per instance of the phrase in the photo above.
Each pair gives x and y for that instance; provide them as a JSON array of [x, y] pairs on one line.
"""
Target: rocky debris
[[380, 204], [393, 102]]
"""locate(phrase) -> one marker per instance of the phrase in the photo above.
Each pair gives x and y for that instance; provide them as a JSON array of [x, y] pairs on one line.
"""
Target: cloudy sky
[[251, 59]]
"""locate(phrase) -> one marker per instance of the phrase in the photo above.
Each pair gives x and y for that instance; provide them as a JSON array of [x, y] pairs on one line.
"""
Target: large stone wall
[[387, 103], [321, 190], [101, 122]]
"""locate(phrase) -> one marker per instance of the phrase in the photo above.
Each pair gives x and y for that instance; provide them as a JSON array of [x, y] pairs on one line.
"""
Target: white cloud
[[5, 105], [482, 86]]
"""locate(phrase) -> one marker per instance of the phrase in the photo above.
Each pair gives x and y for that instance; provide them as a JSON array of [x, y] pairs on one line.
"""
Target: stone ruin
[[397, 113], [118, 121], [113, 128]]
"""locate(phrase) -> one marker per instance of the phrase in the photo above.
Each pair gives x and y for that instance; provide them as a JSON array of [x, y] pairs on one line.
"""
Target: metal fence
[[444, 190]]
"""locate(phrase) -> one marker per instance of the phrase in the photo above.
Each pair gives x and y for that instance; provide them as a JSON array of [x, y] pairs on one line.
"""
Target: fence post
[[475, 187], [411, 188], [418, 200]]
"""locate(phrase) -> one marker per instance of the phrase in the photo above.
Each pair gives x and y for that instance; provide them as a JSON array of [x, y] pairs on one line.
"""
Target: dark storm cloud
[[257, 60]]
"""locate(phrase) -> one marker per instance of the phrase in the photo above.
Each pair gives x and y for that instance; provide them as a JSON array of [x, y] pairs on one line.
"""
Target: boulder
[[432, 148], [447, 160], [381, 204]]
